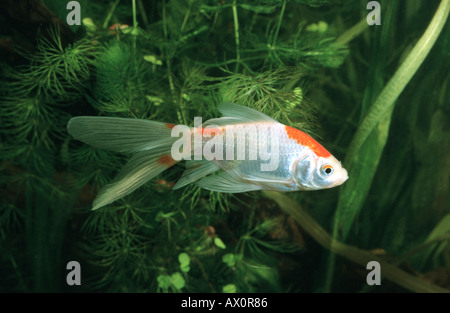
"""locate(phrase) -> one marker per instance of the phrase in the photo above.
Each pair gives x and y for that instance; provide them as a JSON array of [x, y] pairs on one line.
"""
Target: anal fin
[[224, 182]]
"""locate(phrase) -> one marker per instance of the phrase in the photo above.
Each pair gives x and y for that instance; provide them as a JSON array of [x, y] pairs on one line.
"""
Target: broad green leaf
[[361, 173], [442, 228], [436, 248]]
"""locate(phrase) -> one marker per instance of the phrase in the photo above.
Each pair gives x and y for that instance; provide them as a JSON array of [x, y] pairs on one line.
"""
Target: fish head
[[314, 173], [329, 172]]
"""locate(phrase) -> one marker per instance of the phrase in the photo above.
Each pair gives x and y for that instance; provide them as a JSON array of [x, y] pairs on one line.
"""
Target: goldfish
[[245, 150]]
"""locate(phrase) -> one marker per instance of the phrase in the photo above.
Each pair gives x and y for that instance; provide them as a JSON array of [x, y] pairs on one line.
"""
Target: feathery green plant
[[54, 70]]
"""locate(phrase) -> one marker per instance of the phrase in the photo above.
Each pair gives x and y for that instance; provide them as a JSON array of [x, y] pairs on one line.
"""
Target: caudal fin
[[150, 141]]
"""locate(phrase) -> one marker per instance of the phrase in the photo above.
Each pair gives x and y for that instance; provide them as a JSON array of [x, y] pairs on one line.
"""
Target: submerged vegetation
[[304, 63]]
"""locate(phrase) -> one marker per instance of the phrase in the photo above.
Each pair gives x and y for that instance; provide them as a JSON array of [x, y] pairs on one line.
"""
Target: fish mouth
[[342, 179], [344, 176]]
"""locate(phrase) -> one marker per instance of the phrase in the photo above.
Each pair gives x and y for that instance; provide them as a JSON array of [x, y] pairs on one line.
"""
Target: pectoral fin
[[194, 171]]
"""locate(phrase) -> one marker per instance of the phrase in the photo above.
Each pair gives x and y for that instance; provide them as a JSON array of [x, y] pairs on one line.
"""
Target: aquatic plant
[[309, 64]]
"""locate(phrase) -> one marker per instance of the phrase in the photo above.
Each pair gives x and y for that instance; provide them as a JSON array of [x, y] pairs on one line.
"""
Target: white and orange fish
[[251, 150]]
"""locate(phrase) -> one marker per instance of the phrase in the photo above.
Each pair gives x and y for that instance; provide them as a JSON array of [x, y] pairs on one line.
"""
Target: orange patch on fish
[[210, 131], [166, 160], [306, 140], [168, 125]]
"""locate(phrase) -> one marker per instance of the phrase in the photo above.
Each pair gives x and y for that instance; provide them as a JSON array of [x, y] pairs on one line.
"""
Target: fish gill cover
[[314, 65]]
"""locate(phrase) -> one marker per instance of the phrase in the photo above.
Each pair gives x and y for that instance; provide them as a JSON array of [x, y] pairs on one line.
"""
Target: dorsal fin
[[242, 113]]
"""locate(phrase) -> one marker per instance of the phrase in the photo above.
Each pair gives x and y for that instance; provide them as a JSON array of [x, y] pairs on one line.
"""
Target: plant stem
[[134, 15], [134, 31], [352, 32], [352, 253], [110, 13], [164, 19], [402, 76], [236, 35], [143, 14], [283, 7], [186, 16], [168, 61]]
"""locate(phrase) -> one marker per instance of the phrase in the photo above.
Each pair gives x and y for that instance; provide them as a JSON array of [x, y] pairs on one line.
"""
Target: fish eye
[[327, 170]]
